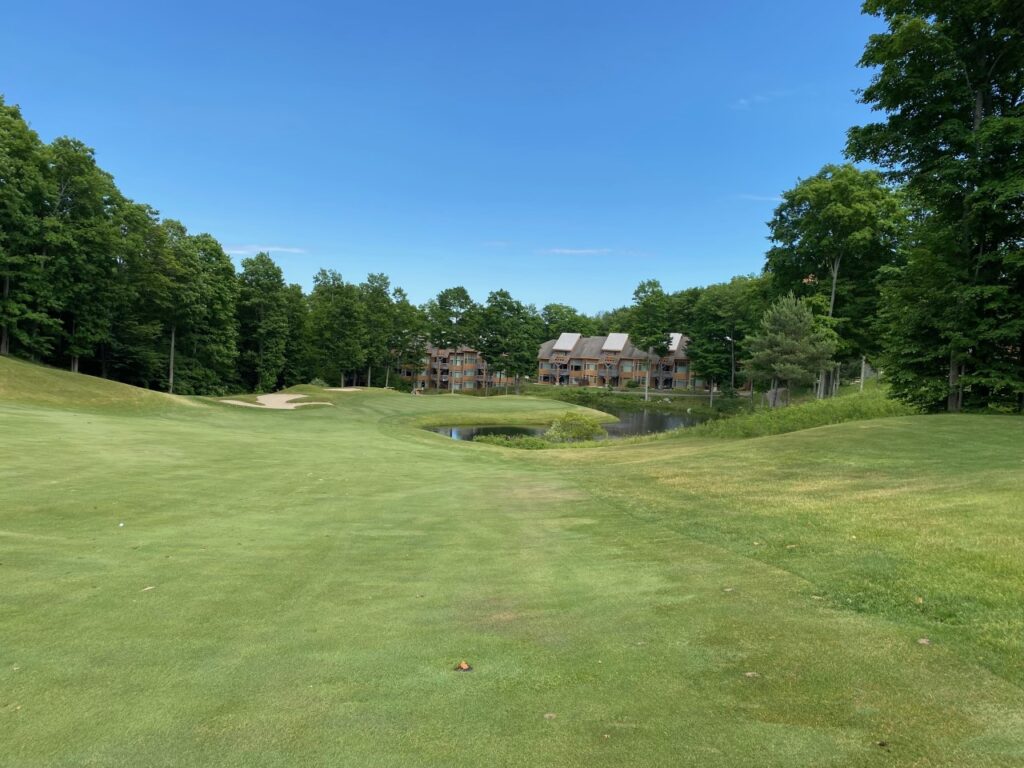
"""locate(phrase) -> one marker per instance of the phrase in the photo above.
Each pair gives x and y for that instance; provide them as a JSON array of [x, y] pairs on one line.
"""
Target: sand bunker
[[278, 401], [342, 389]]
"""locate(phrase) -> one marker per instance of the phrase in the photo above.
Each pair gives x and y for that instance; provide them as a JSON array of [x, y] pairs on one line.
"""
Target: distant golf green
[[189, 583]]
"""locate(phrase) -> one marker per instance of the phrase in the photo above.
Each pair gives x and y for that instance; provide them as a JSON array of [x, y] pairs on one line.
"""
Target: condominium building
[[613, 360], [455, 370]]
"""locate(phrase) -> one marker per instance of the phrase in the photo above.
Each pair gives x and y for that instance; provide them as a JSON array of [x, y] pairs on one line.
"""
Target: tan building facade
[[574, 360], [455, 370]]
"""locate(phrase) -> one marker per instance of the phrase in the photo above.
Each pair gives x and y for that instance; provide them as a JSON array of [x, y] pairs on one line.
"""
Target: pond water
[[630, 423]]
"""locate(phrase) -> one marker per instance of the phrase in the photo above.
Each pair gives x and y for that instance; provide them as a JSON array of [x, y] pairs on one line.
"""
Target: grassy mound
[[31, 384], [817, 413]]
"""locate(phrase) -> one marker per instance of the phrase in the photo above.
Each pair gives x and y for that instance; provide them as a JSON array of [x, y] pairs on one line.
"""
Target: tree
[[950, 82], [832, 233], [22, 277], [721, 319], [510, 334], [337, 327], [79, 243], [379, 314], [561, 318], [211, 342], [649, 329], [680, 307], [791, 346], [297, 352], [453, 321], [408, 342], [262, 322]]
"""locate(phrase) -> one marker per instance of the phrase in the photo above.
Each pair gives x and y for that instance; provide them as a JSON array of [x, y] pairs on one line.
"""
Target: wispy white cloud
[[252, 250], [757, 99], [576, 251], [760, 198]]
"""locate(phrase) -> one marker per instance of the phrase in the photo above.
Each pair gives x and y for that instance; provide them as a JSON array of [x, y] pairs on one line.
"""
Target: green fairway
[[294, 588]]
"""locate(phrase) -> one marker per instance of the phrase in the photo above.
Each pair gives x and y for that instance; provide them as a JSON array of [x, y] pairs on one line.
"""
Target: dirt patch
[[278, 401]]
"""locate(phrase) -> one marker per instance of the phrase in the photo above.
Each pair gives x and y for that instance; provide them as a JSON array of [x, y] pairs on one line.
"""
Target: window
[[682, 367], [627, 366], [591, 366]]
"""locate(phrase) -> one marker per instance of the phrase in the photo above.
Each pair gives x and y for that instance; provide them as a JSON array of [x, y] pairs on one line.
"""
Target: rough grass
[[872, 404], [294, 588]]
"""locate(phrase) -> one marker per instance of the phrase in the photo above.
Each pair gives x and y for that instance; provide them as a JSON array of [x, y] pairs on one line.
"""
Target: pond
[[644, 422]]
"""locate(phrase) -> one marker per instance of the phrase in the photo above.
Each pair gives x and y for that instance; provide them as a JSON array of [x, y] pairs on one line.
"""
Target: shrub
[[318, 382], [574, 426]]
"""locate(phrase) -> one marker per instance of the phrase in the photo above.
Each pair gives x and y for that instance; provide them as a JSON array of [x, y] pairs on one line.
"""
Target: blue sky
[[562, 150]]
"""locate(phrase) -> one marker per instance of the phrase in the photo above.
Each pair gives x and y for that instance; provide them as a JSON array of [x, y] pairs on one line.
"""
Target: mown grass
[[294, 588]]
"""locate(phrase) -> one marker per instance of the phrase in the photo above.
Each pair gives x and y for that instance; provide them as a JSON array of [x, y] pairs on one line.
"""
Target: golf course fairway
[[189, 583]]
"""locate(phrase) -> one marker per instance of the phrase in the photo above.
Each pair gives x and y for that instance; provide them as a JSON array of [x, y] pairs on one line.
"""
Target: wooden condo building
[[574, 360], [455, 370]]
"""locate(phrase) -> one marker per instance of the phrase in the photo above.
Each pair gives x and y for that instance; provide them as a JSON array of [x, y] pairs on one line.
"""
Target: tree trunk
[[835, 278], [170, 368], [387, 376], [74, 363], [953, 399], [5, 339], [369, 375], [517, 383]]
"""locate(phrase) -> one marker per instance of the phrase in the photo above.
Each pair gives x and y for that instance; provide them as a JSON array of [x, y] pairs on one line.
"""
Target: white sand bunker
[[278, 401], [343, 389]]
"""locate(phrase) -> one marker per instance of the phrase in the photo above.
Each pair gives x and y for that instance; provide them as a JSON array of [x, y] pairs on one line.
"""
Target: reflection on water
[[630, 423]]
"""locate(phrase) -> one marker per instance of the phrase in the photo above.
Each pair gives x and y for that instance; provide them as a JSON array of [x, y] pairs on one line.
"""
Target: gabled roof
[[566, 342], [615, 342]]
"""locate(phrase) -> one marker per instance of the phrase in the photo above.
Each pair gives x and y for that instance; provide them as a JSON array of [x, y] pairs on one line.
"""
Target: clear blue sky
[[563, 150]]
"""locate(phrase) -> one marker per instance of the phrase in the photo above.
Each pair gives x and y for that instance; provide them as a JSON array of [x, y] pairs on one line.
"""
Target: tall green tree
[[831, 235], [23, 280], [79, 237], [211, 341], [379, 312], [510, 335], [298, 352], [561, 318], [790, 347], [453, 321], [949, 82], [408, 342], [337, 327], [182, 300], [649, 329], [262, 322], [721, 319]]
